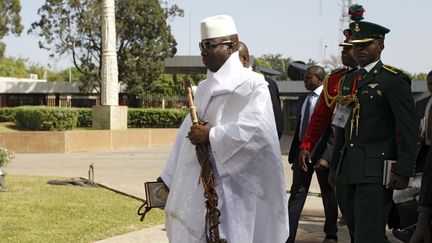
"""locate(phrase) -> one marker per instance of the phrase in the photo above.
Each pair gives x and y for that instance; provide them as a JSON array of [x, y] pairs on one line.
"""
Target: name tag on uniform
[[341, 116]]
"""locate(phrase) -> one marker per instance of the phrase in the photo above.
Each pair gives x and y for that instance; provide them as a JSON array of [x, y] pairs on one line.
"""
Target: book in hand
[[156, 194], [389, 169]]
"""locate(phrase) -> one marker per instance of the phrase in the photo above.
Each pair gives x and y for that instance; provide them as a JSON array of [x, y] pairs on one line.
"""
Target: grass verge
[[34, 211], [8, 127]]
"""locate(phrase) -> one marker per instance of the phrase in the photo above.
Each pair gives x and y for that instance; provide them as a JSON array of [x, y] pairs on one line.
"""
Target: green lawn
[[34, 211], [8, 127]]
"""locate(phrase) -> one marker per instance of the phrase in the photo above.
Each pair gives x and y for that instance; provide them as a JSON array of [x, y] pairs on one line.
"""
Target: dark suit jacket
[[425, 201], [321, 145], [387, 111], [274, 94], [421, 106], [423, 149]]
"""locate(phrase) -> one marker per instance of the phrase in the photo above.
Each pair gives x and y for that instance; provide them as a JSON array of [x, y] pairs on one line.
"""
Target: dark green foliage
[[41, 118], [7, 114], [144, 38], [10, 20], [141, 118], [156, 118], [84, 117], [273, 61]]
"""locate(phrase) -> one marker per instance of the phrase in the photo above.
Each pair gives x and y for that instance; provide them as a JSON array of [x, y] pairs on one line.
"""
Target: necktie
[[306, 115], [361, 72]]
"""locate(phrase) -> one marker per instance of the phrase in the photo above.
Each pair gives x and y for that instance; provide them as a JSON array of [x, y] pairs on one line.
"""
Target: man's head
[[347, 50], [314, 77], [429, 81], [367, 38], [218, 41], [368, 52], [368, 41], [244, 54]]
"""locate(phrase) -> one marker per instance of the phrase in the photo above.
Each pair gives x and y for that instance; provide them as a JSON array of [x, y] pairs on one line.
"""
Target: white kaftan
[[246, 158]]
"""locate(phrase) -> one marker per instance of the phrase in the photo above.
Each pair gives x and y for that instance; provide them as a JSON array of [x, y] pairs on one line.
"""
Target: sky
[[301, 30]]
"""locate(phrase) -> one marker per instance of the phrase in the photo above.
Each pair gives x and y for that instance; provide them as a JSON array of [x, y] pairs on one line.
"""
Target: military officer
[[376, 121], [322, 115]]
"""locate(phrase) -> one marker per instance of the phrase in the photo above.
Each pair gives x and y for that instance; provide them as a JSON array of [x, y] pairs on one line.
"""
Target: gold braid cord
[[351, 100], [345, 100], [208, 181], [330, 100]]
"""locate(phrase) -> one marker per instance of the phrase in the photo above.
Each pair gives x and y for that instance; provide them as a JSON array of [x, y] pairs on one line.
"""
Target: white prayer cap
[[217, 26]]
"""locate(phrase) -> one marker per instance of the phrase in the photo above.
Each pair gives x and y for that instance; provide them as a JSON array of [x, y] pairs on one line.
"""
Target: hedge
[[84, 117], [7, 114], [60, 119], [42, 118], [156, 118]]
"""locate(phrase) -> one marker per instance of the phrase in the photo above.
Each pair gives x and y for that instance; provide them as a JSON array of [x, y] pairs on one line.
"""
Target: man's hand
[[159, 179], [398, 182], [423, 232], [304, 158], [199, 133], [322, 164]]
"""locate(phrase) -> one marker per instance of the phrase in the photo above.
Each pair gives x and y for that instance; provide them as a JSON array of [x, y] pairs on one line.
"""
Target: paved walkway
[[126, 170]]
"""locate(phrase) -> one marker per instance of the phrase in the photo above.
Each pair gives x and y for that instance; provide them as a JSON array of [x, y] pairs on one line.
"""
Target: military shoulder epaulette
[[391, 69]]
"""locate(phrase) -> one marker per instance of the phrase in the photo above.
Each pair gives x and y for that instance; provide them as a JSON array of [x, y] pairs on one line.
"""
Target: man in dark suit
[[377, 122], [423, 231], [422, 107], [272, 86], [320, 160]]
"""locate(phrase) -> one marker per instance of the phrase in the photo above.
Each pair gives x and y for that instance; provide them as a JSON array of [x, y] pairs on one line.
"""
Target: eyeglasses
[[207, 45]]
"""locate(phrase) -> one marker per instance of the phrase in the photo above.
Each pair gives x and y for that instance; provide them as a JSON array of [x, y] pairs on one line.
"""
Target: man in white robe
[[245, 152]]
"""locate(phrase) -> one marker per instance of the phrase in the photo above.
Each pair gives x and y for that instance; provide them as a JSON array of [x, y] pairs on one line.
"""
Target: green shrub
[[84, 117], [61, 119], [156, 118], [7, 114], [46, 118]]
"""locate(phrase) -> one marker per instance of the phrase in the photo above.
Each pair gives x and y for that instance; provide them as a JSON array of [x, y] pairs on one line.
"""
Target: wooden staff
[[208, 181]]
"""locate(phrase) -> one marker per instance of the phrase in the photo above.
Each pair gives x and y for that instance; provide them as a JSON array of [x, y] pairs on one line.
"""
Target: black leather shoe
[[330, 239]]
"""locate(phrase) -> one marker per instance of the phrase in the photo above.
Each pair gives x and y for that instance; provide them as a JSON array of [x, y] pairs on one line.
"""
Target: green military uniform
[[383, 128]]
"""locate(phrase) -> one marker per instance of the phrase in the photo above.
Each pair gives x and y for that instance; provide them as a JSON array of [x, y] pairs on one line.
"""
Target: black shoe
[[330, 239]]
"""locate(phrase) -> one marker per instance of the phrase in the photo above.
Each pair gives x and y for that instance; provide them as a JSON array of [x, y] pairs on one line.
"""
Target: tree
[[274, 61], [11, 67], [10, 20], [144, 39], [64, 75], [417, 76]]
